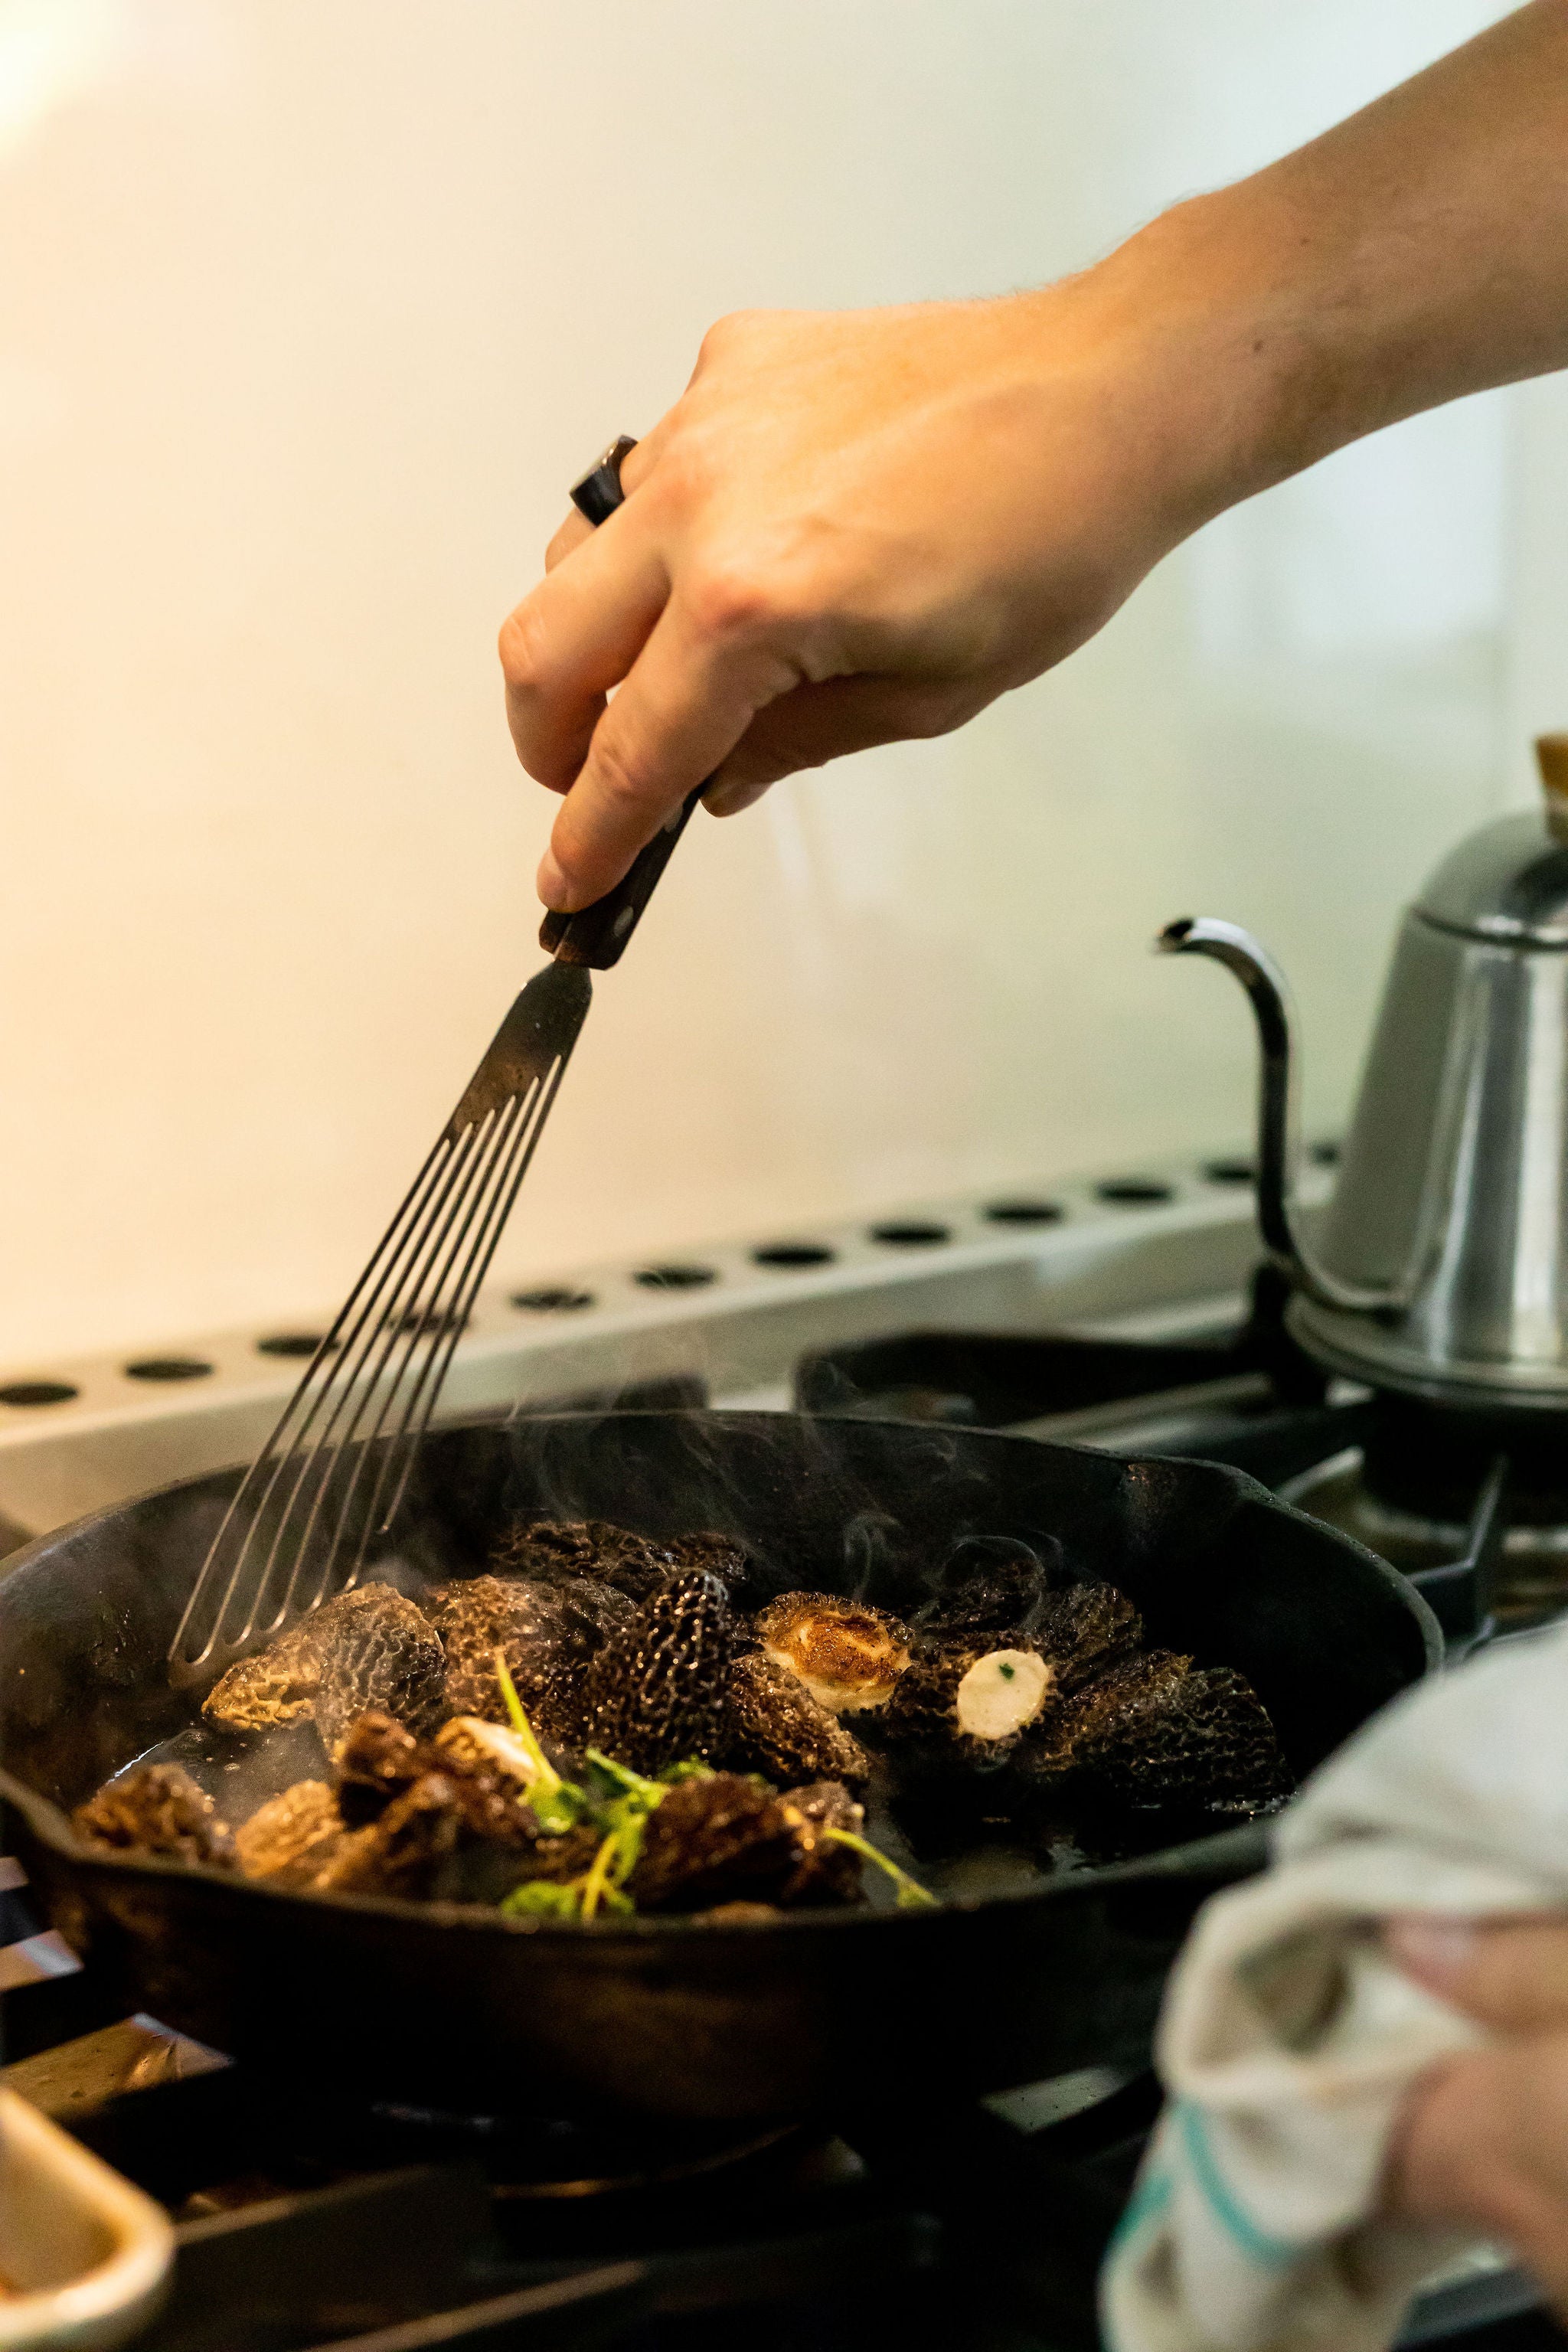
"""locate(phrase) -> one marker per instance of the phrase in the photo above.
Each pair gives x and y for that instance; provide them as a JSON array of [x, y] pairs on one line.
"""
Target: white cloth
[[1288, 2041]]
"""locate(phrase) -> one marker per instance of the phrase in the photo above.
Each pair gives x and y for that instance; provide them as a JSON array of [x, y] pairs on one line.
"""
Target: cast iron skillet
[[462, 2009]]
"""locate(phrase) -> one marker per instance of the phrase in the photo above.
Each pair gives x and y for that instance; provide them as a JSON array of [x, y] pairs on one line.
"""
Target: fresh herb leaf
[[622, 1778], [597, 1883], [543, 1898], [556, 1804], [912, 1896]]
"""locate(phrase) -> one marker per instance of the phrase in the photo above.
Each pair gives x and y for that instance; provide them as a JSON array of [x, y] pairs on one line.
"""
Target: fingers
[[578, 634], [570, 535], [635, 466], [1483, 2139], [575, 637], [820, 720], [1511, 1974], [687, 700], [1482, 2144]]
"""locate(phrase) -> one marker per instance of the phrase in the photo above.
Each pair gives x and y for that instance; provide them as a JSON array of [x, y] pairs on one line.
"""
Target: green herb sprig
[[618, 1802], [555, 1804], [912, 1896]]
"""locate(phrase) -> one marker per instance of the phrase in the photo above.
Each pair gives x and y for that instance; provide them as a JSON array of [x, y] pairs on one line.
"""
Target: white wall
[[310, 310]]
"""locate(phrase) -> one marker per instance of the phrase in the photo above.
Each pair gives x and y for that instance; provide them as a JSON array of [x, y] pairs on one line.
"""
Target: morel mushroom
[[292, 1836], [966, 1703], [1199, 1736], [156, 1809], [470, 1743], [450, 1836], [657, 1693], [278, 1685], [848, 1655], [548, 1550], [724, 1556], [1132, 1688], [403, 1850], [545, 1639], [778, 1728], [382, 1653], [988, 1585], [1084, 1631], [826, 1870], [717, 1840], [378, 1758], [370, 1647], [489, 1768]]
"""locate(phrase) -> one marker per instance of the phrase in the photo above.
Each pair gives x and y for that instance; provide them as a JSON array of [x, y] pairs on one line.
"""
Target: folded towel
[[1288, 2041]]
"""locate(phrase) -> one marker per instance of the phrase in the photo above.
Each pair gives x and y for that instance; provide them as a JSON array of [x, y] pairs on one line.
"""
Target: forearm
[[1415, 252]]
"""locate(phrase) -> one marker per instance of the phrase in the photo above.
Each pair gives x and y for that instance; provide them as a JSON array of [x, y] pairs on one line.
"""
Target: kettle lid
[[1510, 881]]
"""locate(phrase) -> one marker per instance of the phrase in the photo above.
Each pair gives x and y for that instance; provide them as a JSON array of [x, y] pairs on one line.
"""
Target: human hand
[[863, 525], [853, 527], [1483, 2138]]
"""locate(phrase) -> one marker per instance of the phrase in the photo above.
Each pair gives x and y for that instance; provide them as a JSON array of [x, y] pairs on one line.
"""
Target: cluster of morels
[[607, 1723]]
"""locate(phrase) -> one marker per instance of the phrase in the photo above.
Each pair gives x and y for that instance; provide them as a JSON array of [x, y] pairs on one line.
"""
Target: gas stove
[[1120, 1311]]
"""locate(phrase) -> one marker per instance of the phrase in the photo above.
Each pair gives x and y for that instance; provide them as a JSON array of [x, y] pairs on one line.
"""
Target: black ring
[[599, 492]]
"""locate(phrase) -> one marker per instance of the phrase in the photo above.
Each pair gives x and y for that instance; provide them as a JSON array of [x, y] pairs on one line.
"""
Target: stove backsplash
[[312, 315], [1162, 1248]]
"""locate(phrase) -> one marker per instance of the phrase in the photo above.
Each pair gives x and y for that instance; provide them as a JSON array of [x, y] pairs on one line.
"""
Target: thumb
[[1509, 1974]]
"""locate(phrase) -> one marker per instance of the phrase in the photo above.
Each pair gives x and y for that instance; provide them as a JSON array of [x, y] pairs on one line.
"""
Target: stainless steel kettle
[[1442, 1269]]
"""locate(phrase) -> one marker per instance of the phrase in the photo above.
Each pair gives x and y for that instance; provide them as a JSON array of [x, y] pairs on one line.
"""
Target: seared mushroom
[[156, 1809], [401, 1852], [470, 1743], [988, 1585], [546, 1642], [382, 1653], [450, 1836], [778, 1729], [489, 1768], [848, 1655], [292, 1836], [377, 1760], [826, 1872], [718, 1840], [967, 1701], [596, 1548], [1132, 1689], [657, 1693], [278, 1685], [724, 1556], [369, 1647], [1196, 1737]]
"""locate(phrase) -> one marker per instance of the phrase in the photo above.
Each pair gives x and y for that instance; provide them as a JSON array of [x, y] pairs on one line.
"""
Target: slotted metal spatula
[[332, 1474]]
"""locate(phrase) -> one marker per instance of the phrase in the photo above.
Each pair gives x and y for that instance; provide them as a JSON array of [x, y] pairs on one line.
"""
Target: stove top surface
[[304, 2222]]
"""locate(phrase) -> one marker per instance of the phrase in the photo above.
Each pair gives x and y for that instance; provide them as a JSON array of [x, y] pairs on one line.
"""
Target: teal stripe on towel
[[1151, 2195], [1258, 2244]]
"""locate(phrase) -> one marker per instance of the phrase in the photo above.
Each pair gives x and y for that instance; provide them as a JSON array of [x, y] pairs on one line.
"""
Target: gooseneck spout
[[1240, 953]]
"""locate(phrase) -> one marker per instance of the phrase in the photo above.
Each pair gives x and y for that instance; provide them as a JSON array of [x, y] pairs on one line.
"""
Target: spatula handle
[[596, 935]]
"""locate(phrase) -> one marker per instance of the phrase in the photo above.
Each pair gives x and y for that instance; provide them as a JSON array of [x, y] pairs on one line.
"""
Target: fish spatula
[[333, 1472]]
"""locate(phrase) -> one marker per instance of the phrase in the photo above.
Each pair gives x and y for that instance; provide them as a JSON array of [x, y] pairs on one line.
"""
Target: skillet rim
[[1232, 1852]]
